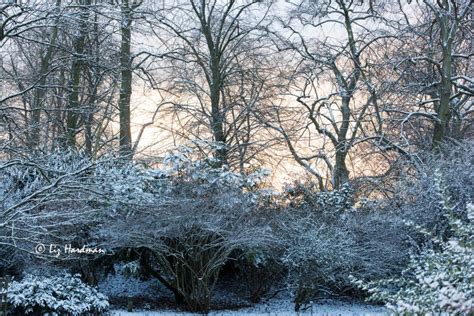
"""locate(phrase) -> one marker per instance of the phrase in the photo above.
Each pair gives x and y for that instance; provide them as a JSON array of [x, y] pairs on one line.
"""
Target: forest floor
[[278, 307], [149, 298]]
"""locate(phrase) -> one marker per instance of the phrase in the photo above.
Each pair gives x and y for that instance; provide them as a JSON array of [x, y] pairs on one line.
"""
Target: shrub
[[417, 195], [321, 252], [307, 194], [439, 279], [187, 243], [258, 271], [62, 294], [44, 197], [189, 228]]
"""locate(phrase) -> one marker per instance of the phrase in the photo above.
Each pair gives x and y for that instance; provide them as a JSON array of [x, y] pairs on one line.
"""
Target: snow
[[277, 307], [64, 293], [118, 285]]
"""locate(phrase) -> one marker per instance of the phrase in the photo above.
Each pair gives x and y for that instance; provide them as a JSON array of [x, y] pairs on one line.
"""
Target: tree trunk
[[73, 108], [218, 127], [341, 173], [217, 115], [40, 91], [126, 82], [94, 81], [445, 90]]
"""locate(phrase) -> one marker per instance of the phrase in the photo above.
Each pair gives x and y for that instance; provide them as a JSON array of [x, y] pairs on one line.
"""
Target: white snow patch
[[118, 285]]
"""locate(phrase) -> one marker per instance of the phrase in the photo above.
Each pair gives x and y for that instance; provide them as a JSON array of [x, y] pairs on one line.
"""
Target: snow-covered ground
[[277, 307], [118, 285]]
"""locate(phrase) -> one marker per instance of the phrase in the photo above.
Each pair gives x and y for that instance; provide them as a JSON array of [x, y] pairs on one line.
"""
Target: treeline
[[323, 83]]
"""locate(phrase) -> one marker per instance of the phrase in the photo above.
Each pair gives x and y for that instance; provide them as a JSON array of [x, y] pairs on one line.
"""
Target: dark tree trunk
[[443, 109], [126, 82], [40, 91], [73, 107]]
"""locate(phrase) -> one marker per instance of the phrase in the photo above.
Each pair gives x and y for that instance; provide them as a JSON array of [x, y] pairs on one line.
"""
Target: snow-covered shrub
[[189, 230], [439, 279], [258, 271], [316, 254], [185, 246], [330, 202], [182, 164], [416, 196], [63, 294], [61, 198], [321, 252], [47, 196]]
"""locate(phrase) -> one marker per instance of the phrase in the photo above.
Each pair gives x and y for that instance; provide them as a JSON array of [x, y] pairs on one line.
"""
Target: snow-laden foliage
[[24, 177], [46, 196], [330, 202], [130, 186], [63, 191], [439, 278], [62, 294], [321, 252], [190, 218], [183, 163], [416, 196]]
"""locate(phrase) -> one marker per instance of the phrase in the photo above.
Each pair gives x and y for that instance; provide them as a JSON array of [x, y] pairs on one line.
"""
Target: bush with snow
[[439, 278], [416, 196], [184, 163], [189, 229], [316, 254], [63, 294], [47, 196], [328, 202], [321, 252]]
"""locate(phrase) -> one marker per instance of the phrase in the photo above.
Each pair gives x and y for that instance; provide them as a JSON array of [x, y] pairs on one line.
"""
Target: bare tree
[[335, 86], [436, 71], [40, 91], [17, 17], [67, 96], [209, 48]]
